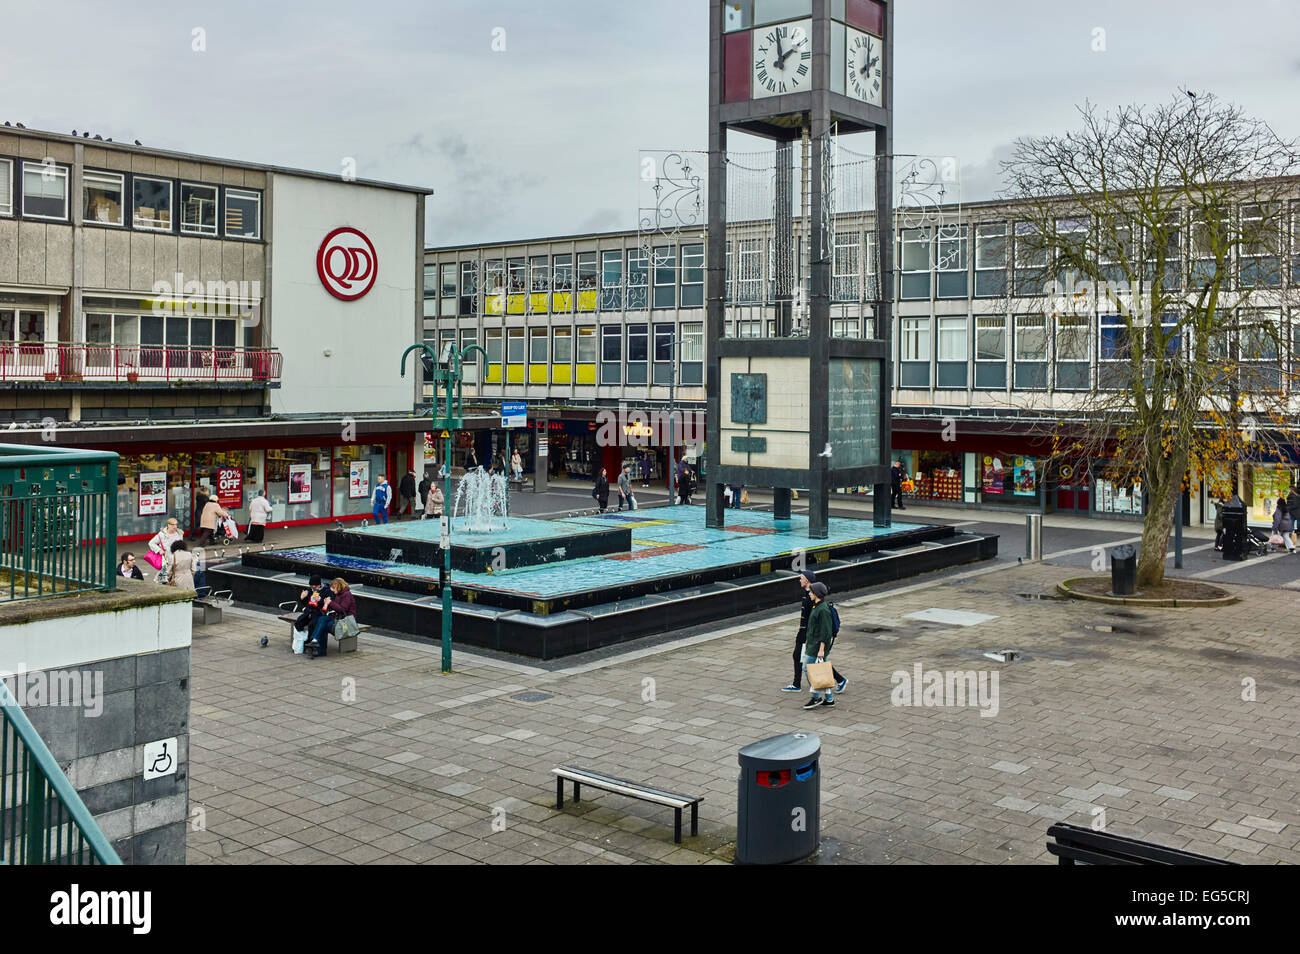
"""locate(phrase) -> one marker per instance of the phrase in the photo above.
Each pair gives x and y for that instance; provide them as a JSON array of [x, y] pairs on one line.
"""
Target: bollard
[[1033, 537], [1123, 570]]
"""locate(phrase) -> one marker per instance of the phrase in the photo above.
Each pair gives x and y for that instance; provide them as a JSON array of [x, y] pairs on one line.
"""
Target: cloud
[[981, 181]]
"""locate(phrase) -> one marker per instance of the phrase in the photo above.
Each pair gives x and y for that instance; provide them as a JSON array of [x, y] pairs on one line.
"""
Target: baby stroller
[[1256, 542]]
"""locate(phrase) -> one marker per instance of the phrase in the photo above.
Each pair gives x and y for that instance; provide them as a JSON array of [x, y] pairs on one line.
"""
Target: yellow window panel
[[537, 374], [587, 301], [563, 301], [560, 374], [493, 374], [586, 374], [515, 304], [494, 304], [537, 303], [515, 374]]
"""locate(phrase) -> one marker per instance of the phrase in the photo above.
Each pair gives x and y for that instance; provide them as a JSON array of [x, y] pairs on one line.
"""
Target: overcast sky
[[542, 138]]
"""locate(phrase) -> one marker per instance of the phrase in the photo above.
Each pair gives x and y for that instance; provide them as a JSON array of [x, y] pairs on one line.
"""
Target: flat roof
[[215, 160]]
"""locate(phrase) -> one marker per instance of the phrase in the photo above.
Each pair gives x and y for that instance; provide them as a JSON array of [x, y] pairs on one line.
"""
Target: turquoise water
[[665, 541]]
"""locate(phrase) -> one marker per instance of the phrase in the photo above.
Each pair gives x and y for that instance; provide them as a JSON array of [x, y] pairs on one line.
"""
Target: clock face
[[782, 58], [864, 67]]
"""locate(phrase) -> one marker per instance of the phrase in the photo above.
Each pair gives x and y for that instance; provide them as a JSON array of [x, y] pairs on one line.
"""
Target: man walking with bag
[[821, 637], [806, 579], [625, 489]]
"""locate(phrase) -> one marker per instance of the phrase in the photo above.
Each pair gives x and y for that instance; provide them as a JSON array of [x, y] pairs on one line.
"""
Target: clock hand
[[780, 57]]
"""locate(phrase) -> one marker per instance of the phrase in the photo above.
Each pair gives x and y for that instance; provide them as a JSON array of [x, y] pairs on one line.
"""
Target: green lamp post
[[447, 377]]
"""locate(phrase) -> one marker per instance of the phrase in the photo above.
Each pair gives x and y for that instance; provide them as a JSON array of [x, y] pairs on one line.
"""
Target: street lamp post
[[447, 384]]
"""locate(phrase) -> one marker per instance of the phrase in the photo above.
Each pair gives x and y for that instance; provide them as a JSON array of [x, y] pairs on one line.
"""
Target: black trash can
[[1123, 570], [778, 816], [1234, 530]]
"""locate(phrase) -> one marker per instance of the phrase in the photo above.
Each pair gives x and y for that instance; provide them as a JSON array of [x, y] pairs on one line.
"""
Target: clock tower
[[791, 405]]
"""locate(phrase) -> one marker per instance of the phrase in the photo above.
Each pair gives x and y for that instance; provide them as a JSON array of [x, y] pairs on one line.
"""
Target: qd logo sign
[[347, 264]]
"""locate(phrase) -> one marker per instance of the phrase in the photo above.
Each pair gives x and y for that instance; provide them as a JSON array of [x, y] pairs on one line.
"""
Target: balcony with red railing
[[60, 362]]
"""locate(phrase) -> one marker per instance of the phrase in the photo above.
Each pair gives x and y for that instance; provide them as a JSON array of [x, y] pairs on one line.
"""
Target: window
[[1260, 264], [243, 214], [991, 351], [914, 353], [845, 267], [1260, 343], [691, 352], [1073, 355], [151, 206], [1073, 253], [587, 354], [515, 348], [1209, 241], [102, 197], [430, 279], [198, 209], [469, 288], [448, 279], [951, 262], [611, 354], [1031, 352], [749, 271], [537, 364], [693, 275], [6, 187], [562, 300], [588, 280], [637, 353], [561, 355], [665, 268], [1031, 259], [492, 345], [990, 259], [951, 369], [844, 327], [663, 370], [516, 276], [1170, 236], [871, 286], [1115, 250], [539, 273], [914, 265], [638, 279], [611, 280], [469, 367], [45, 191]]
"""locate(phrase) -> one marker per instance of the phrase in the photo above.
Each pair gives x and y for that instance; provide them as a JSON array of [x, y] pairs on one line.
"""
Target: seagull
[[137, 142], [85, 135], [99, 137], [74, 132], [19, 125]]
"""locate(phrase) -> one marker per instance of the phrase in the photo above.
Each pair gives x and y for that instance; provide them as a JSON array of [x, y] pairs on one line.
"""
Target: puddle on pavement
[[1054, 597]]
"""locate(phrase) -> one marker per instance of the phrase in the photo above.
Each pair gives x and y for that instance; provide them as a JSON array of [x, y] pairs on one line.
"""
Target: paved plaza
[[377, 757]]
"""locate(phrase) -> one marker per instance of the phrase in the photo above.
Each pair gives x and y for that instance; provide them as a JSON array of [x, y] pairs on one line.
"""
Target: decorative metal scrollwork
[[924, 185], [671, 197]]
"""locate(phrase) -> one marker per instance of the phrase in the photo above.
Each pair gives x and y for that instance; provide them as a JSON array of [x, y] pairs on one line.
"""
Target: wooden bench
[[211, 603], [1075, 845], [348, 644], [580, 777]]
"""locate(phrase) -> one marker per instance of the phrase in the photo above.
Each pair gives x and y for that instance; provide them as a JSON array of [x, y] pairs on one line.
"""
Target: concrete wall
[[140, 656], [366, 337]]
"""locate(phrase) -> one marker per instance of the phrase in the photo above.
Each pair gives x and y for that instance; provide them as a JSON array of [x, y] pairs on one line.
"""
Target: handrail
[[47, 796], [84, 362]]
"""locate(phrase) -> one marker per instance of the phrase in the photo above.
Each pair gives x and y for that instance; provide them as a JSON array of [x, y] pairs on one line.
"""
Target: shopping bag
[[346, 627], [299, 641], [155, 560], [744, 498], [821, 675], [1275, 540], [633, 499]]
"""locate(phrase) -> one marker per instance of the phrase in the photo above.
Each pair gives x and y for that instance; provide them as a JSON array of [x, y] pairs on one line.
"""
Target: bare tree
[[1157, 234]]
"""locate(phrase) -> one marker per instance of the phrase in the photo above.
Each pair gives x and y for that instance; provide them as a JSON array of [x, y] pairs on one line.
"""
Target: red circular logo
[[347, 264]]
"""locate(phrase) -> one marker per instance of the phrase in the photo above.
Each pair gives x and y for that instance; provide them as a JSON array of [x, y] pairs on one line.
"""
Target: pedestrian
[[423, 490], [683, 483], [407, 490], [471, 460], [380, 500], [161, 544], [1293, 508], [212, 513], [820, 639], [180, 566], [433, 501], [517, 466], [896, 486], [127, 568], [601, 490], [738, 497], [1218, 524], [806, 579], [625, 489], [259, 512], [1282, 527], [201, 499], [645, 470]]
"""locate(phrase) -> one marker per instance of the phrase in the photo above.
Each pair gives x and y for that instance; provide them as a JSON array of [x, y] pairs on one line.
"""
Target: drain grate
[[532, 695]]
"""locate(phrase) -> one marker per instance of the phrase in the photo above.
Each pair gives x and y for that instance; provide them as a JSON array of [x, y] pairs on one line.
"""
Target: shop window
[[914, 353], [693, 275], [1112, 496], [356, 470], [6, 187], [45, 191], [638, 352], [588, 281], [243, 214], [151, 204], [537, 358], [298, 483], [137, 516], [586, 365], [914, 264], [691, 352], [611, 281], [938, 475], [198, 209], [492, 345], [562, 297], [1031, 352], [1009, 479], [515, 349], [951, 368], [611, 354], [102, 197], [561, 355], [951, 262]]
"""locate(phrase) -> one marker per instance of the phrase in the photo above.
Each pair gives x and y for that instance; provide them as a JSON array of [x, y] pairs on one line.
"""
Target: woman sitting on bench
[[338, 605]]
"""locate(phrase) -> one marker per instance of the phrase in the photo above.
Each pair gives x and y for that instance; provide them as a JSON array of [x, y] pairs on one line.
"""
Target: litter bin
[[1123, 570], [778, 816], [1234, 529]]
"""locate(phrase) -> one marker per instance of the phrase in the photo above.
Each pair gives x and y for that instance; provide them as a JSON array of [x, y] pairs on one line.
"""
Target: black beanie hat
[[809, 575], [314, 581]]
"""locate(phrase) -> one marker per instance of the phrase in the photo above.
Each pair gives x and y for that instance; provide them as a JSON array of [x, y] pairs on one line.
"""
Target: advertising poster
[[359, 479], [153, 494], [300, 483], [230, 487], [992, 475], [1025, 477]]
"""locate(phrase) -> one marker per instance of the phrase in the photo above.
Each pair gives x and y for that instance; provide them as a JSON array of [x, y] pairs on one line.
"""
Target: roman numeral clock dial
[[864, 67], [782, 58]]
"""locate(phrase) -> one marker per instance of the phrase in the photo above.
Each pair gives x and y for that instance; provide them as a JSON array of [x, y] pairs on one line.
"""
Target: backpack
[[835, 623]]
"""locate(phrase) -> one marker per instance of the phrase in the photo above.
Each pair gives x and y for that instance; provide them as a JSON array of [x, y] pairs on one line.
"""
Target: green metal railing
[[58, 521], [43, 820]]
